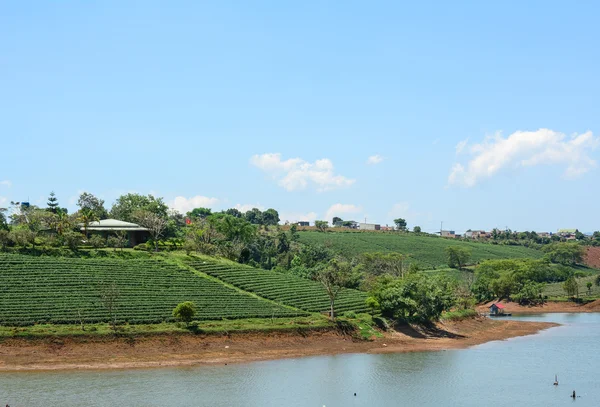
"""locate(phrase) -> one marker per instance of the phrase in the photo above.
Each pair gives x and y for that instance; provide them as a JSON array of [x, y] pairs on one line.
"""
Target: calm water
[[517, 372]]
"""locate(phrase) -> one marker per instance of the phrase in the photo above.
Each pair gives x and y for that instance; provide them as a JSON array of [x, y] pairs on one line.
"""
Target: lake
[[517, 372]]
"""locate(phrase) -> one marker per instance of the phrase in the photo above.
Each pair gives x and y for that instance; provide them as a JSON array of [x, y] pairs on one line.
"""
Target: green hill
[[62, 290], [427, 251], [284, 288]]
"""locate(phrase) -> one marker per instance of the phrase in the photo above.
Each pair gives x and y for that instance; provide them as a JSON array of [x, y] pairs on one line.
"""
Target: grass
[[555, 291], [206, 327], [427, 251], [459, 315]]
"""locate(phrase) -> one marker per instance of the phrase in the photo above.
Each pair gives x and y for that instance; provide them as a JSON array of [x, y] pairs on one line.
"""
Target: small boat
[[555, 380]]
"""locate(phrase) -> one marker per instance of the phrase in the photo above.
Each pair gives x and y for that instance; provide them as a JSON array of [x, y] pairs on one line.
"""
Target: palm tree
[[87, 216]]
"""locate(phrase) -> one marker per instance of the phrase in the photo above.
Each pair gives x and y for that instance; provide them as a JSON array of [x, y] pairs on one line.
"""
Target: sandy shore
[[549, 307], [190, 350]]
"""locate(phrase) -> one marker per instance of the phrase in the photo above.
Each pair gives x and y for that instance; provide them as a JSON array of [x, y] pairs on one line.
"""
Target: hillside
[[283, 288], [427, 251], [64, 290]]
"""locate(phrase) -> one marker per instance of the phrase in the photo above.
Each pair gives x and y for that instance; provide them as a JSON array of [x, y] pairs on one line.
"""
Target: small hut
[[497, 309]]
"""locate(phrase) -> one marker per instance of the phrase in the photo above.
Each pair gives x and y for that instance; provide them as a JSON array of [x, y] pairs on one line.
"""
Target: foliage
[[72, 239], [86, 217], [414, 298], [199, 213], [334, 277], [4, 238], [321, 225], [92, 203], [400, 224], [565, 253], [97, 241], [53, 205], [571, 287], [185, 311], [458, 256], [148, 290], [155, 224], [127, 205], [417, 229]]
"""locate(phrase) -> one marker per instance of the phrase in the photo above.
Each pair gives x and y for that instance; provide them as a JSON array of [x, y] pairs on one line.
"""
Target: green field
[[57, 290], [284, 288], [556, 291], [427, 251]]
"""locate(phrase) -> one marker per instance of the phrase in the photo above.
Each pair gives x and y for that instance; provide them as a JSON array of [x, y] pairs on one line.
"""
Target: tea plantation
[[284, 288], [427, 251], [65, 290]]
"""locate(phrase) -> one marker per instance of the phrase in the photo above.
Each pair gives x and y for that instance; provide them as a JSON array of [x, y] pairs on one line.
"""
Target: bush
[[141, 247], [185, 311], [72, 239], [97, 241], [350, 314]]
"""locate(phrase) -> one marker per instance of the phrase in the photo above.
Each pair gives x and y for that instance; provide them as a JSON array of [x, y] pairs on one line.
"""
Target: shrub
[[350, 314], [97, 241], [185, 311], [72, 239]]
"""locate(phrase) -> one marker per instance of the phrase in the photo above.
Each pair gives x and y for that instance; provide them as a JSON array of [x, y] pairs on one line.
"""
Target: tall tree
[[199, 213], [254, 216], [155, 224], [86, 217], [270, 217], [336, 219], [234, 212], [53, 205], [457, 256], [127, 205], [417, 229], [334, 277], [93, 203], [400, 224], [321, 225]]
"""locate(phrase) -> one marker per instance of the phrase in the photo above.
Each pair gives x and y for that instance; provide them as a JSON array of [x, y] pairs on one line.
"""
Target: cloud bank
[[341, 210], [524, 149], [296, 174], [375, 159], [183, 205]]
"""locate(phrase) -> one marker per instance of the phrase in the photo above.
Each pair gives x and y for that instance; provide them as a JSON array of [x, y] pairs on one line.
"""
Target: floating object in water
[[354, 394], [574, 396], [555, 380]]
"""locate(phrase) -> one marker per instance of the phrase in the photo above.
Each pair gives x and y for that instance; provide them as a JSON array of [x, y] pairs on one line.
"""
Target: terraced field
[[427, 251], [283, 288], [58, 290]]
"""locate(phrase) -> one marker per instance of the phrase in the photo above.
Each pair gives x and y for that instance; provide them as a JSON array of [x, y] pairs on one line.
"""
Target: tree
[[270, 217], [52, 204], [377, 264], [96, 205], [321, 225], [400, 224], [3, 221], [155, 224], [199, 213], [333, 277], [457, 256], [571, 287], [589, 287], [234, 212], [4, 238], [127, 205], [185, 311], [109, 294], [335, 220], [565, 253], [417, 229], [87, 216], [254, 216], [97, 241], [597, 280]]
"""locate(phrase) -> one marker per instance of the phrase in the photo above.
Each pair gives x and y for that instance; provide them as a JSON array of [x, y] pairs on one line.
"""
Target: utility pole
[[441, 227]]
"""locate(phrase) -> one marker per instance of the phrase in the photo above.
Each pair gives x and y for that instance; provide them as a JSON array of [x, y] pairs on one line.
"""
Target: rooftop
[[114, 224]]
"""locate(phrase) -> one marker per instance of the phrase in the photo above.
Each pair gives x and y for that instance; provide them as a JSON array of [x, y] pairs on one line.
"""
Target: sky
[[474, 114]]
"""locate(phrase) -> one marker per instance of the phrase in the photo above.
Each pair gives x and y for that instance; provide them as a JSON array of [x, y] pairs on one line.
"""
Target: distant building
[[566, 232], [476, 234], [369, 226], [109, 227], [303, 223], [448, 233]]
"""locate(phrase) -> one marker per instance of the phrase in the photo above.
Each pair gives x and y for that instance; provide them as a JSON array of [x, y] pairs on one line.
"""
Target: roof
[[567, 230], [114, 224], [498, 305]]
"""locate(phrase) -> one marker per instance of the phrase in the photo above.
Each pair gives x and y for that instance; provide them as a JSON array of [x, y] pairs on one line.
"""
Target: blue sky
[[476, 114]]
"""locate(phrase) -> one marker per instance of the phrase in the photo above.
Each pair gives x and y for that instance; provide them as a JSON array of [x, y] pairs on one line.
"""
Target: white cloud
[[247, 207], [297, 216], [341, 210], [296, 173], [6, 183], [3, 200], [461, 146], [182, 204], [526, 149], [374, 159]]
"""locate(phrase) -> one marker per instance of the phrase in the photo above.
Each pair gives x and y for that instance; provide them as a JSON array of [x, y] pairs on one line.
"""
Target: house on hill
[[136, 234]]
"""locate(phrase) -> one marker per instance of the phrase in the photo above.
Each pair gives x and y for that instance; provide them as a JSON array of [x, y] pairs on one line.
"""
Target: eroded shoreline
[[193, 350]]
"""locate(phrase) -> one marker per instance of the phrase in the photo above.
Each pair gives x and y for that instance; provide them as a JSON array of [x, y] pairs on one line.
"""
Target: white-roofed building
[[136, 234]]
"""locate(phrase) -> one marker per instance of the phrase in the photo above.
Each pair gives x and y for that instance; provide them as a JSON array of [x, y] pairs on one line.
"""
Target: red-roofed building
[[497, 309]]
